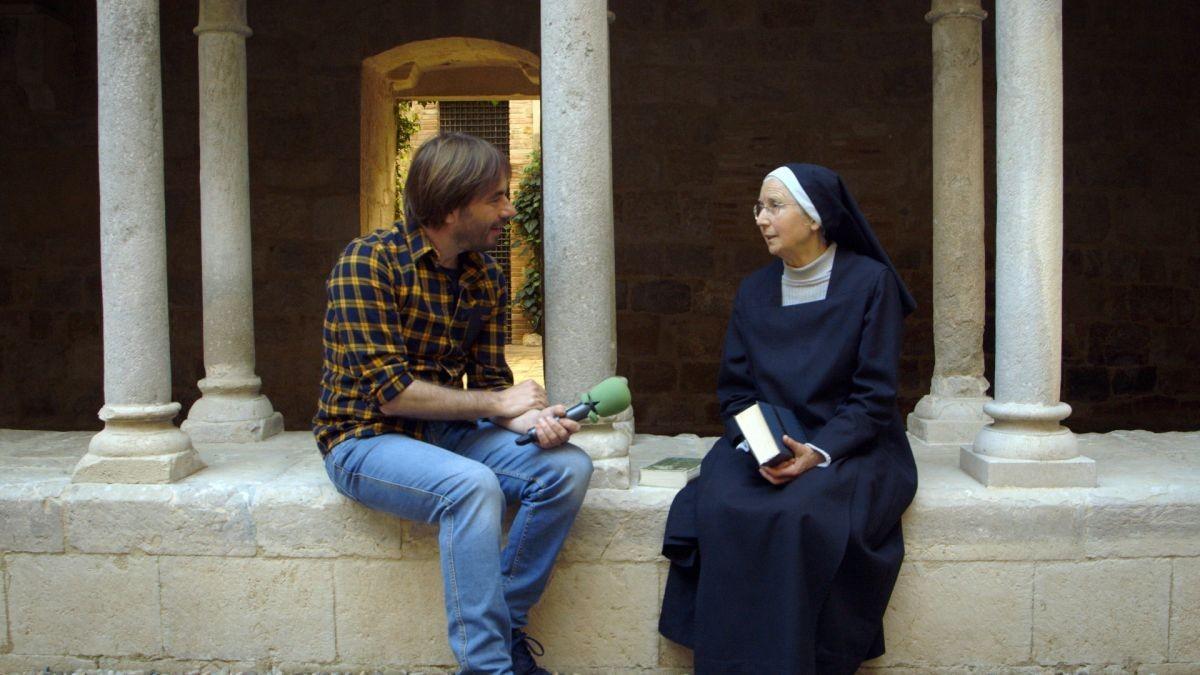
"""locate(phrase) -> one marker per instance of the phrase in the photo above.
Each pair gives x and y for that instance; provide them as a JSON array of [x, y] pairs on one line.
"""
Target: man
[[411, 310]]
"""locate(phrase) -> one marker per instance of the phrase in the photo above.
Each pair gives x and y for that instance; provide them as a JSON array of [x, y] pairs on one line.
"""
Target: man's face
[[478, 225]]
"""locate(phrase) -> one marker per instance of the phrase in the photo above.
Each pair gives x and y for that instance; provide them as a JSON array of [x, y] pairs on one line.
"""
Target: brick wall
[[707, 97]]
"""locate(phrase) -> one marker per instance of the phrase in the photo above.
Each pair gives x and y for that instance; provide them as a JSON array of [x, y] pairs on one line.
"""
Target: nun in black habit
[[789, 569]]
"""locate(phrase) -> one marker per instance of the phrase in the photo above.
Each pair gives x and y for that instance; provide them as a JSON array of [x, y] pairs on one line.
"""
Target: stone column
[[139, 443], [1026, 446], [581, 344], [952, 412], [231, 408]]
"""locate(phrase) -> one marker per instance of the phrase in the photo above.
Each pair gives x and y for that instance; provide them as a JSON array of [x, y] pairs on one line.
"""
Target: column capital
[[223, 16], [969, 9]]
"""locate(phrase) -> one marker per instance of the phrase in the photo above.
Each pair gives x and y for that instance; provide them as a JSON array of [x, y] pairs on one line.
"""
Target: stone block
[[39, 663], [599, 615], [610, 474], [1107, 611], [619, 526], [4, 643], [965, 612], [294, 521], [159, 519], [1142, 528], [1002, 472], [1185, 611], [391, 613], [31, 518], [1169, 669], [247, 609], [83, 604], [951, 526]]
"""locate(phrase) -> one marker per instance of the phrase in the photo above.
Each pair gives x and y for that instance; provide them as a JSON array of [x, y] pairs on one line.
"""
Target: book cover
[[764, 425], [672, 472]]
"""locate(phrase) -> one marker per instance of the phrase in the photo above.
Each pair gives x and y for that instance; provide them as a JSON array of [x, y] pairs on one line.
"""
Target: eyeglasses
[[771, 207]]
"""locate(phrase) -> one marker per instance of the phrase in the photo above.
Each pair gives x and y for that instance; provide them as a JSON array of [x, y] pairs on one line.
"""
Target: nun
[[789, 569]]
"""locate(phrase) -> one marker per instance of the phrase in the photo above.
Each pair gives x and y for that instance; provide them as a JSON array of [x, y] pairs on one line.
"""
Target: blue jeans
[[462, 479]]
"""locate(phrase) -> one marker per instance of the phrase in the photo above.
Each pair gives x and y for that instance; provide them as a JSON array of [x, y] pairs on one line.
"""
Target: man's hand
[[551, 428], [804, 459], [519, 399]]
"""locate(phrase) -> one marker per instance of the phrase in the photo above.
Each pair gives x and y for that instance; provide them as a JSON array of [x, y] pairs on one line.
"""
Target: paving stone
[[948, 613], [599, 615], [83, 604], [31, 518], [317, 521], [391, 613], [159, 519], [1107, 611], [1185, 610], [246, 609]]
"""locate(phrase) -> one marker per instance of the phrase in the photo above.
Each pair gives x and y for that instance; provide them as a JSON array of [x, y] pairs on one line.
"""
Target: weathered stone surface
[[31, 517], [5, 646], [83, 604], [599, 616], [1106, 611], [13, 663], [159, 519], [1185, 611], [316, 521], [391, 613], [1165, 525], [1169, 669], [245, 609], [952, 613], [946, 526], [619, 525]]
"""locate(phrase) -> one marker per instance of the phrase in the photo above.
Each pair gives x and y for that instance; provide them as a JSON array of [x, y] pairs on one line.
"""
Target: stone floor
[[526, 363]]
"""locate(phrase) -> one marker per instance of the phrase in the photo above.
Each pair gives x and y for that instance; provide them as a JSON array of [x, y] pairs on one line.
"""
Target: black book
[[764, 426]]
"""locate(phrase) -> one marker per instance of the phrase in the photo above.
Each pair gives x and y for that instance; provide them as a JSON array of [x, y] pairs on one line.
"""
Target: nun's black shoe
[[522, 646]]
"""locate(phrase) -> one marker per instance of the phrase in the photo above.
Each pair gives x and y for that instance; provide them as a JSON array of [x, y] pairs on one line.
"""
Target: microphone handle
[[575, 412]]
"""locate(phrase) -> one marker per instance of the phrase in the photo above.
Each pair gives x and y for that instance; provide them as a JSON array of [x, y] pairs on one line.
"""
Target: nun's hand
[[804, 458]]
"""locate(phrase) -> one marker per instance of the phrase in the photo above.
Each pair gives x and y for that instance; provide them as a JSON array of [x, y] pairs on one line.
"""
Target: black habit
[[795, 578]]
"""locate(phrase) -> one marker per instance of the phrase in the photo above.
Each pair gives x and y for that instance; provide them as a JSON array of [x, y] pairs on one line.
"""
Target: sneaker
[[522, 646]]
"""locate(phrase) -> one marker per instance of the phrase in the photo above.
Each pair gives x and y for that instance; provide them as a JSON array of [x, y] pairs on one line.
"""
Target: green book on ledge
[[671, 472]]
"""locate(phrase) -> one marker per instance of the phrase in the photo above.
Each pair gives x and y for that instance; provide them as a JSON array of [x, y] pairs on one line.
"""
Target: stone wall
[[258, 563], [707, 97]]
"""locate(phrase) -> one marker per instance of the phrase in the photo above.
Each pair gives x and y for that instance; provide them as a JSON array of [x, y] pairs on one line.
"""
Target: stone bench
[[257, 563]]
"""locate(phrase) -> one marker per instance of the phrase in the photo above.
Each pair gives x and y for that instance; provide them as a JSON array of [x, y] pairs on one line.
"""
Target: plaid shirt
[[388, 322]]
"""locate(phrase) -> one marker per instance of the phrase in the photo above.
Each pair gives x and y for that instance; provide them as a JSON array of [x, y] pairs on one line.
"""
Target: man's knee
[[574, 465], [478, 485]]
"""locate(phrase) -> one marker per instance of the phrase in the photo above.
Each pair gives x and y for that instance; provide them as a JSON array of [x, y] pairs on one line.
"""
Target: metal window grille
[[487, 120]]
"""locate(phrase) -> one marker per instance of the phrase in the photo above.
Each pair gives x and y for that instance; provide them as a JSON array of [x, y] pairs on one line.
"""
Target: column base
[[139, 444], [144, 469], [993, 471], [233, 431], [607, 443], [947, 420], [232, 411]]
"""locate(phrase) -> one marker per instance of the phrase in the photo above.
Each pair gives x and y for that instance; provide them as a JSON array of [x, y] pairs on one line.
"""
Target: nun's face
[[789, 232]]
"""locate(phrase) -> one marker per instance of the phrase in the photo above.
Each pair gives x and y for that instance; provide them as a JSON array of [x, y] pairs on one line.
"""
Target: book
[[672, 472], [764, 426]]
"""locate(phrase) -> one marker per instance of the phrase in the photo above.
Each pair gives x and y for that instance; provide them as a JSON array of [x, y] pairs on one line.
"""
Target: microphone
[[609, 397]]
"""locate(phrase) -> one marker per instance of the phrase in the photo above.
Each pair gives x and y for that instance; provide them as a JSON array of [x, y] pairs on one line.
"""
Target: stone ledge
[[273, 499], [996, 580]]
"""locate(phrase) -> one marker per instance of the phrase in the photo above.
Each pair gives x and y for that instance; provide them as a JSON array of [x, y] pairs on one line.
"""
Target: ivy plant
[[527, 228]]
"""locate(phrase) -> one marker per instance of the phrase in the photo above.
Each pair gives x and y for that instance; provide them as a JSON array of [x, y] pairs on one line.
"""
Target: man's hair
[[448, 172]]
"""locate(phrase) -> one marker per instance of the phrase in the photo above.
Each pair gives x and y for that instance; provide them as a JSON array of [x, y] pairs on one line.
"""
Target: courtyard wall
[[707, 97]]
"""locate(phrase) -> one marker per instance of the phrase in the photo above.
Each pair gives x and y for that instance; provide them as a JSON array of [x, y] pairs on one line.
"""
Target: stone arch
[[445, 68]]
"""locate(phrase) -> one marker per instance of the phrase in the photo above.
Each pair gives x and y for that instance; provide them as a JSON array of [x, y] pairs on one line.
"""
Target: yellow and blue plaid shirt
[[391, 318]]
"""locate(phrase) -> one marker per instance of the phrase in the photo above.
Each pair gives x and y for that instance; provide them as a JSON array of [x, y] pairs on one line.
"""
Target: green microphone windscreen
[[611, 396]]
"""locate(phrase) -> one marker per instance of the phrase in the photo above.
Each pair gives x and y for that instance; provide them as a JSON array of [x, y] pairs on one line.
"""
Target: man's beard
[[469, 242]]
